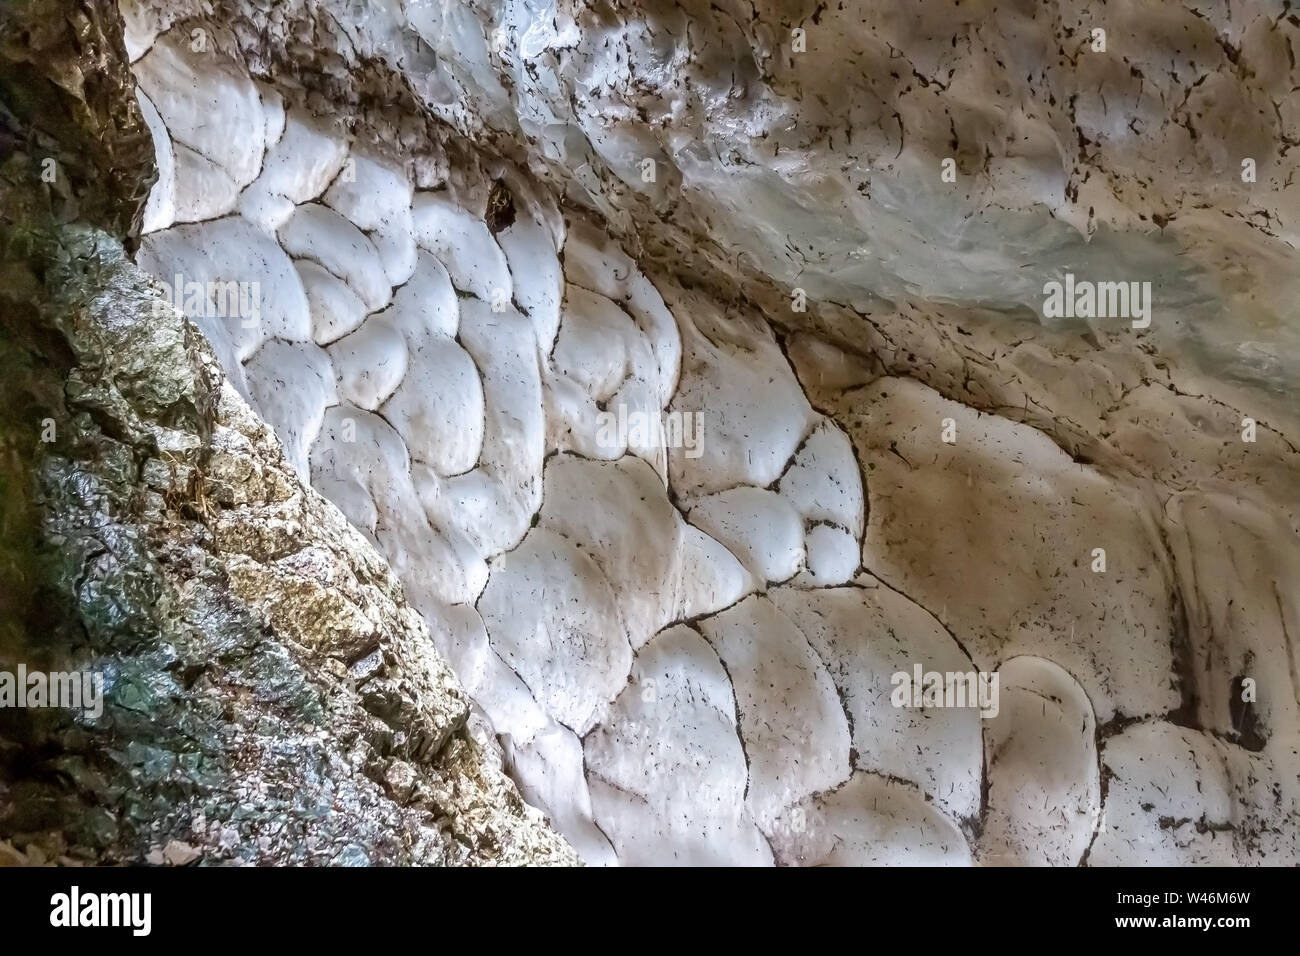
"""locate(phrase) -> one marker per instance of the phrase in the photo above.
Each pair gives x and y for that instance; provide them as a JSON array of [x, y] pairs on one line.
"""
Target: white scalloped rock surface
[[686, 652]]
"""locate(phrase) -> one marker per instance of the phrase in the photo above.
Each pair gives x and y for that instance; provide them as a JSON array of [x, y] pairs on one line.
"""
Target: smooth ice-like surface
[[530, 251], [554, 619], [823, 483], [494, 503], [686, 653], [864, 635], [362, 465], [233, 250], [370, 363], [831, 554], [160, 211], [318, 234], [438, 405], [1246, 613], [215, 118], [758, 526], [734, 374], [667, 770], [292, 384], [335, 309], [306, 158], [464, 245], [594, 262], [795, 731], [552, 762], [1044, 801], [426, 304], [376, 197], [868, 821], [996, 533]]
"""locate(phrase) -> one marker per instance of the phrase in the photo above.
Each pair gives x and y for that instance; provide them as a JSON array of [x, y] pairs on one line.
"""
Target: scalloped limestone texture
[[677, 552]]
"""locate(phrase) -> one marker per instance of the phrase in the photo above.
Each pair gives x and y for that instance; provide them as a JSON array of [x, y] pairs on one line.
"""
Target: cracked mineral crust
[[531, 432]]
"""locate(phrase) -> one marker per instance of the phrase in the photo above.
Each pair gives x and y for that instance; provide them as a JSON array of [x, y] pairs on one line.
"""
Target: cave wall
[[685, 651], [272, 530], [270, 696]]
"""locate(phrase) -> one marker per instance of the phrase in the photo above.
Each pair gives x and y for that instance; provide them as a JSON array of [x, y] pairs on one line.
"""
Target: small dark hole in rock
[[500, 208]]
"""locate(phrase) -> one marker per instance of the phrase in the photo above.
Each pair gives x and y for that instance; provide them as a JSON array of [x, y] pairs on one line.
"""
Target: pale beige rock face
[[997, 530], [677, 530]]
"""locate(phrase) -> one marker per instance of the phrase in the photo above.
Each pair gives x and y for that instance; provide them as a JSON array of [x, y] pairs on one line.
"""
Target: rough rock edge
[[270, 697]]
